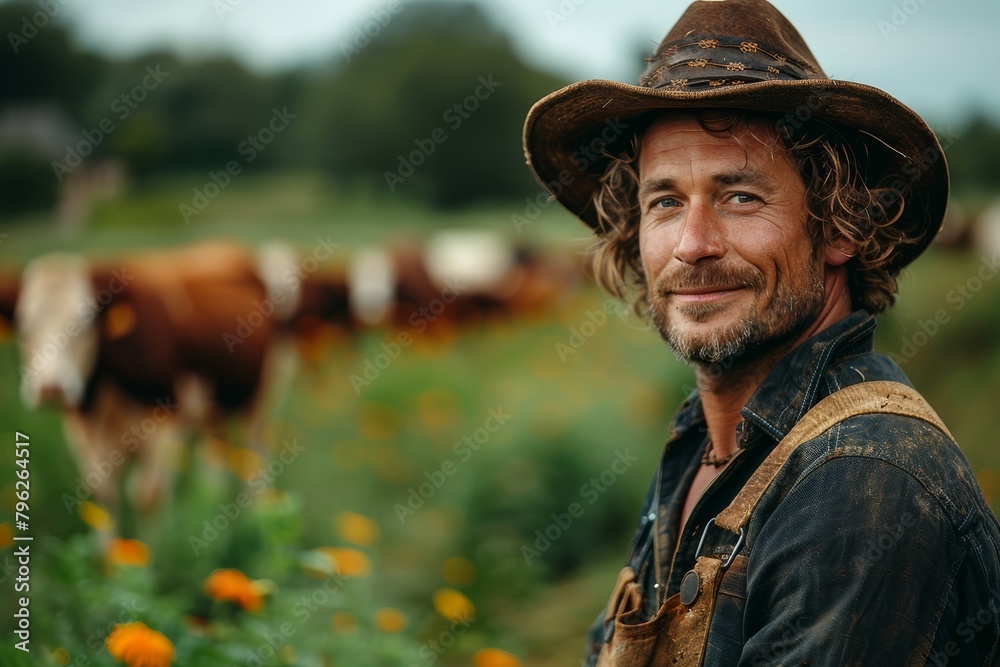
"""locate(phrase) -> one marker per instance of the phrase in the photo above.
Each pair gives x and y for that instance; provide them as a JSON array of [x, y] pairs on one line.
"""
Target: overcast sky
[[934, 55]]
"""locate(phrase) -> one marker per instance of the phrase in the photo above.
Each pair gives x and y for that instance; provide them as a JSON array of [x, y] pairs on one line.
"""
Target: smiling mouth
[[704, 294]]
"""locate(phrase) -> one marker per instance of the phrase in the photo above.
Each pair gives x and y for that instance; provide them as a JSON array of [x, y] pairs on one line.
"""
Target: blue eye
[[666, 202], [743, 198]]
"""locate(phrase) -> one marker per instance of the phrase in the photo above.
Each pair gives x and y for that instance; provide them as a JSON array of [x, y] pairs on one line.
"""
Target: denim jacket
[[873, 546]]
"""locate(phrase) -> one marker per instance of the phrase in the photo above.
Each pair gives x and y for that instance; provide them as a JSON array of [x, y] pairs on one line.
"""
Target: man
[[809, 508]]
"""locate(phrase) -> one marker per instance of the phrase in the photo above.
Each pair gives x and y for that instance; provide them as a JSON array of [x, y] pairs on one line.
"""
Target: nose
[[700, 235], [51, 394]]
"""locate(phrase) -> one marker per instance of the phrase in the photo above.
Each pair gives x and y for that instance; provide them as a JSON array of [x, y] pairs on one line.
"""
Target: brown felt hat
[[739, 54]]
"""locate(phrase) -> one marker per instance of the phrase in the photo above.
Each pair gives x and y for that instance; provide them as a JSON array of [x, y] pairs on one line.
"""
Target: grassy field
[[424, 511]]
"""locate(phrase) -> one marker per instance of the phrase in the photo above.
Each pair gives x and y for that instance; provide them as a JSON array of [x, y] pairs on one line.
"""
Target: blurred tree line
[[389, 92], [426, 103]]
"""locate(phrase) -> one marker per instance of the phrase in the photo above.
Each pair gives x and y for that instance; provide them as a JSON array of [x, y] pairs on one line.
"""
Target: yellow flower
[[128, 552], [6, 535], [452, 605], [236, 587], [138, 646], [60, 656], [348, 562], [390, 620], [458, 571], [95, 516], [245, 463], [357, 529], [494, 657], [344, 623]]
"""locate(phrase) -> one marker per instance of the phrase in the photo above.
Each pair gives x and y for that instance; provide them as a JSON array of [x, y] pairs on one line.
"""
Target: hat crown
[[730, 42]]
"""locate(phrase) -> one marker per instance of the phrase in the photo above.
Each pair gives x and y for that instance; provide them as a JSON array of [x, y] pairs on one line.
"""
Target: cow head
[[55, 319]]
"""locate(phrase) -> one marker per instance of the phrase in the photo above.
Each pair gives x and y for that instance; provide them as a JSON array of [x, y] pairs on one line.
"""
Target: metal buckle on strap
[[727, 560]]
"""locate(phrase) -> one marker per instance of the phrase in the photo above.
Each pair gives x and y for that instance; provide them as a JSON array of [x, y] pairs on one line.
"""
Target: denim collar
[[783, 398], [792, 387]]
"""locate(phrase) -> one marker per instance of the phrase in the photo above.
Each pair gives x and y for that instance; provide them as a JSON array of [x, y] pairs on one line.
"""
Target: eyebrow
[[745, 177], [657, 185], [742, 177]]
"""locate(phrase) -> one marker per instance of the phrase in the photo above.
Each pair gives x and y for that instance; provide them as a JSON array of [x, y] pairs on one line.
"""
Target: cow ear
[[116, 316], [119, 321]]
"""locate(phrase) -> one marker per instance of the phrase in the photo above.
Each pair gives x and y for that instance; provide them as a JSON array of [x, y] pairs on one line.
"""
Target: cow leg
[[279, 370], [83, 436], [156, 459], [142, 438]]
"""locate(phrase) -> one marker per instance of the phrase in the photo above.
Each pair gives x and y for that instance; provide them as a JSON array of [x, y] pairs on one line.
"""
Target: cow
[[456, 278], [142, 352]]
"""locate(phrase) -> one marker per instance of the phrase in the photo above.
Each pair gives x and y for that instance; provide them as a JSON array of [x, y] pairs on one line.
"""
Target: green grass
[[293, 206]]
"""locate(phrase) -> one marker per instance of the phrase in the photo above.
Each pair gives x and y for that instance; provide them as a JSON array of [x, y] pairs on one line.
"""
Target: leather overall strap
[[857, 399]]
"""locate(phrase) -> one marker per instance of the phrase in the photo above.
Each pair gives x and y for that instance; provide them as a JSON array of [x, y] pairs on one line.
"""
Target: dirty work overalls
[[675, 636]]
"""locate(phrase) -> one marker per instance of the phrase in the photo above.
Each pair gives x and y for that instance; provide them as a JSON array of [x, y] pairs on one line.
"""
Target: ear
[[838, 251], [116, 315]]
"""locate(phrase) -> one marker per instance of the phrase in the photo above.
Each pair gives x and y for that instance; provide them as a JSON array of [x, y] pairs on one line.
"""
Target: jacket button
[[690, 588]]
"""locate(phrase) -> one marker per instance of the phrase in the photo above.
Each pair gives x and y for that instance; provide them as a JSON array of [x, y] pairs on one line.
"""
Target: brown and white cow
[[143, 351]]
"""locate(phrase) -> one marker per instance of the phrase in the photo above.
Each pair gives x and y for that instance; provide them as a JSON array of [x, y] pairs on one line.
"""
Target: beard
[[793, 307]]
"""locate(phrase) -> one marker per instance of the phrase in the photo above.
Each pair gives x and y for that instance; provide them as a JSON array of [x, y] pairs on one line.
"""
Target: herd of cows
[[146, 350]]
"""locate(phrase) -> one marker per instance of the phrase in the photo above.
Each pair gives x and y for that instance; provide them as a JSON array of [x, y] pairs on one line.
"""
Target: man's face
[[723, 240]]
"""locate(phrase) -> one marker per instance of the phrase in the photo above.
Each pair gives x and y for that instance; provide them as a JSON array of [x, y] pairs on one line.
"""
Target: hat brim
[[569, 133]]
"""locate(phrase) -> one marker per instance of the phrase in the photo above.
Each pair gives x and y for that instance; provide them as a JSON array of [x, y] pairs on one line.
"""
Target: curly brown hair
[[840, 203]]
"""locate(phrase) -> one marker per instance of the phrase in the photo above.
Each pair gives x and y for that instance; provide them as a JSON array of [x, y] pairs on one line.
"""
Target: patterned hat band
[[710, 63]]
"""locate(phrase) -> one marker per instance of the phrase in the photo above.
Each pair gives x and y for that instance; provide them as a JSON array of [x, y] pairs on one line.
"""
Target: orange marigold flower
[[234, 586], [390, 620], [348, 562], [494, 657], [453, 606], [357, 529], [128, 552], [138, 646]]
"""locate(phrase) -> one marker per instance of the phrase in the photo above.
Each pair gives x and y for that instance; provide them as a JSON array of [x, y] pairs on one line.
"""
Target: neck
[[725, 387]]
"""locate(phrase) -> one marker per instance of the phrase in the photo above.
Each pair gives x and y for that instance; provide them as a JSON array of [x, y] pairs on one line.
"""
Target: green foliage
[[421, 74], [974, 159], [26, 182], [42, 64]]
